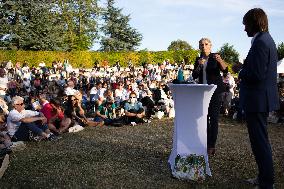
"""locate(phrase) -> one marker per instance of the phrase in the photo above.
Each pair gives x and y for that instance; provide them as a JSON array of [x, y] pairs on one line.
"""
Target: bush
[[86, 59]]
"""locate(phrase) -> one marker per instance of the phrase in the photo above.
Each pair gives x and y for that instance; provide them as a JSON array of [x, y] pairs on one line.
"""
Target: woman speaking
[[207, 70]]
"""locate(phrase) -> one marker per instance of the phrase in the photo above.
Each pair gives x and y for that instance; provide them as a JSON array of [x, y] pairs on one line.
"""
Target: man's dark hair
[[257, 19]]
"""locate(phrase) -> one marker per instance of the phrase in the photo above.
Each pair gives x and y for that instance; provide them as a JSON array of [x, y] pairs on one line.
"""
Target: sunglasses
[[132, 97], [20, 104], [74, 99]]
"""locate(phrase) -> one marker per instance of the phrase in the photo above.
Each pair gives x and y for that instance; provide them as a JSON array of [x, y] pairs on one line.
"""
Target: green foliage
[[79, 18], [229, 54], [280, 50], [145, 57], [160, 56], [41, 31], [188, 57], [179, 45], [86, 59], [118, 34], [48, 24], [64, 25], [29, 25]]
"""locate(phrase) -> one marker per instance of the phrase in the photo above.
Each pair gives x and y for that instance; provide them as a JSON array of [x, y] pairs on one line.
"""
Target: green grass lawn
[[135, 157]]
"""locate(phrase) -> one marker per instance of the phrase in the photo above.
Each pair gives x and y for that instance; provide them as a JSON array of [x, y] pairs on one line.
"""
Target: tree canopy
[[229, 54], [80, 18], [64, 25], [28, 25], [118, 34], [179, 45], [280, 50]]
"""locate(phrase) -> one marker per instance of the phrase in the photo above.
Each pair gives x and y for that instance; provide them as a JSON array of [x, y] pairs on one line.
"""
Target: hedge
[[86, 59]]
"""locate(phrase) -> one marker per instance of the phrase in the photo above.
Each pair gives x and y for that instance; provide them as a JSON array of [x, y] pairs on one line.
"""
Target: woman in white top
[[120, 94]]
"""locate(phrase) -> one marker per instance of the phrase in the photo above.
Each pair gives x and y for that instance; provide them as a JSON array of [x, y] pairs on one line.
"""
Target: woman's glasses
[[132, 97], [20, 104]]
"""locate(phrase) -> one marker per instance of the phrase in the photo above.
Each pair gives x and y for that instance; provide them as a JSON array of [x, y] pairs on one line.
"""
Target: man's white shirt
[[14, 117]]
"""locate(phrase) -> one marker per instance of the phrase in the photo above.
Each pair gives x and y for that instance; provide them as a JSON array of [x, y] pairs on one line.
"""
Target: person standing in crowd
[[227, 95], [3, 83], [207, 69], [9, 68], [258, 92], [180, 75], [117, 64]]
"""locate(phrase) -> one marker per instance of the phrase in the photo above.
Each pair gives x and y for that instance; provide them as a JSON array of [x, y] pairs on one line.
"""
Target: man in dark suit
[[258, 92]]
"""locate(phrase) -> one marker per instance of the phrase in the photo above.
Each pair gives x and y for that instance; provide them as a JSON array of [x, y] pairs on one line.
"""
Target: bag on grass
[[75, 128]]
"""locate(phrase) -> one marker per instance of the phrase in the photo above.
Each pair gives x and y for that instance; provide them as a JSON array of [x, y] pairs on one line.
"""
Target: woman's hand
[[201, 61], [222, 63], [217, 57]]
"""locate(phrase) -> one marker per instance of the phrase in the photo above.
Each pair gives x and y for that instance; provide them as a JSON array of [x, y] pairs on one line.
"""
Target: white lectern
[[190, 126]]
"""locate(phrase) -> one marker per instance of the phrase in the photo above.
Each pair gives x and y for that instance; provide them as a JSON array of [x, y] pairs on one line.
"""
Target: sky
[[162, 21]]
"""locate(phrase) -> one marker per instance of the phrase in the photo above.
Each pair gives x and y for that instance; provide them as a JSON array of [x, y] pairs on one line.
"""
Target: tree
[[29, 25], [118, 34], [11, 16], [80, 20], [280, 51], [229, 54], [43, 31], [179, 45], [48, 24]]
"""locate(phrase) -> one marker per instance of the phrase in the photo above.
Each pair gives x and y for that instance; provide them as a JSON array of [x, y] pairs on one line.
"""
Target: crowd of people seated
[[43, 103]]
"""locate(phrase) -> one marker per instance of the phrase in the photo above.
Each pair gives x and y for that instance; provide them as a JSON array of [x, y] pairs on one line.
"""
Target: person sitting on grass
[[134, 111], [120, 94], [76, 113], [54, 113], [25, 125], [61, 122], [105, 109], [5, 141], [145, 98]]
